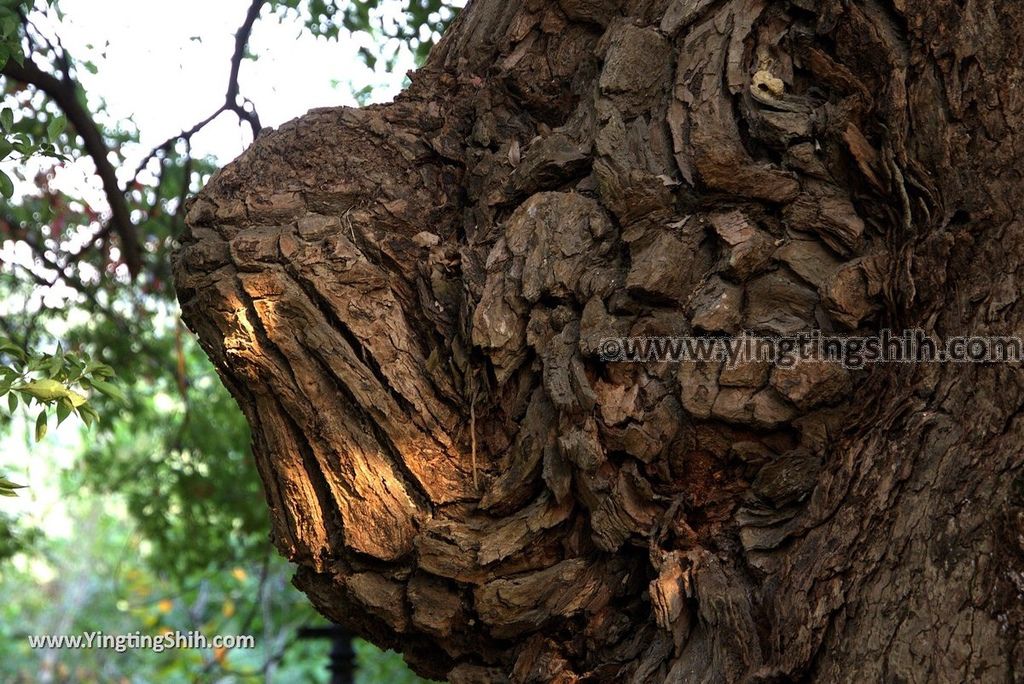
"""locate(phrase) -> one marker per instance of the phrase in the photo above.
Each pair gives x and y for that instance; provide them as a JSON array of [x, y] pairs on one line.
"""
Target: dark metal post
[[343, 658]]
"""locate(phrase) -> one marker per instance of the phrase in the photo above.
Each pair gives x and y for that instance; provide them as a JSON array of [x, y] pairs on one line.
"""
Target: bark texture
[[407, 301]]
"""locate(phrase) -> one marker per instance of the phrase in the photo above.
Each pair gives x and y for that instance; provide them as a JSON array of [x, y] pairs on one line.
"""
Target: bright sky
[[167, 65], [164, 65]]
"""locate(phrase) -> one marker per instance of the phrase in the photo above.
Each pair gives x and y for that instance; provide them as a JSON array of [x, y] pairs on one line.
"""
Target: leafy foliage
[[51, 382], [179, 455], [21, 139], [412, 24], [10, 35], [112, 585], [14, 540]]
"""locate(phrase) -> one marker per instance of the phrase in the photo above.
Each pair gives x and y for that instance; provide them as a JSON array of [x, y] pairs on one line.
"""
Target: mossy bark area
[[407, 302]]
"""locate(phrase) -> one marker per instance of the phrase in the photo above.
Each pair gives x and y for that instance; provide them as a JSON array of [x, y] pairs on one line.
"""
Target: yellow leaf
[[165, 606], [229, 608], [45, 390], [239, 574]]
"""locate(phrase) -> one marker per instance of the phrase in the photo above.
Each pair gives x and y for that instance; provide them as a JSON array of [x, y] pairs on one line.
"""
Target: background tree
[[407, 300], [171, 531]]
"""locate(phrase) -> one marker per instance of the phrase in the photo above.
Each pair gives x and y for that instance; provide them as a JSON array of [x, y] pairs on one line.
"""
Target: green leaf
[[8, 347], [110, 390], [64, 409], [88, 414], [56, 127], [7, 119], [101, 370], [7, 484], [6, 186], [12, 402], [7, 488], [56, 363], [41, 426]]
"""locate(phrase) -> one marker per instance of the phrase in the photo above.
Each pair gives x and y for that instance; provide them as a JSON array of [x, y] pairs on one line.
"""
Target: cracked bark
[[406, 301]]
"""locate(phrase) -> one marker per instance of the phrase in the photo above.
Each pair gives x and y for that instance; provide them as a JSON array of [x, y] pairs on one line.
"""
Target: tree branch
[[63, 91], [64, 94], [231, 96], [241, 40]]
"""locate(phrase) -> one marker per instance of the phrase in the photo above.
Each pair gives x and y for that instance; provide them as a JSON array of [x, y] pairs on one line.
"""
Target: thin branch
[[62, 270], [230, 98], [185, 135], [241, 41]]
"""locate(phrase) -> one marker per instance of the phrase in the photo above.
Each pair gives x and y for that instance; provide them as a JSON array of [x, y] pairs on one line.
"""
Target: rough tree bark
[[406, 301]]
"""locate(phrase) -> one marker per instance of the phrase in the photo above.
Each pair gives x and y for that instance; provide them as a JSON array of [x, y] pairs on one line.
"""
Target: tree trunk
[[408, 301]]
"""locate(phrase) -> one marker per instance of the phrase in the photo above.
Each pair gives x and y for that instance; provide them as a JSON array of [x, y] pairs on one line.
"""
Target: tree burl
[[408, 302]]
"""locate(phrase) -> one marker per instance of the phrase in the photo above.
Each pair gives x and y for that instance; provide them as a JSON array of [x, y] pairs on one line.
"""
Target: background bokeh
[[153, 518]]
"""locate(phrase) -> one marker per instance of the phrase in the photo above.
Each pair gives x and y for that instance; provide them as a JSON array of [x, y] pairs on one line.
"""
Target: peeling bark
[[407, 300]]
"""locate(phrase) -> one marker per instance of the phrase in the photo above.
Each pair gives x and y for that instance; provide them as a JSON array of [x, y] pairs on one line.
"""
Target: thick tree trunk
[[407, 300]]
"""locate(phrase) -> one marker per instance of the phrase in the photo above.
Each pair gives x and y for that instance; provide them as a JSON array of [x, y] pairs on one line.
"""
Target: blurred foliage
[[112, 585], [164, 523], [13, 540], [179, 454], [51, 382], [20, 139], [10, 36], [417, 26], [374, 667]]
